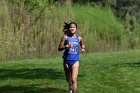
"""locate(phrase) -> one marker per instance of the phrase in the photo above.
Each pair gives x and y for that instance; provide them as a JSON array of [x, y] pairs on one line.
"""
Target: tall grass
[[102, 25], [34, 29]]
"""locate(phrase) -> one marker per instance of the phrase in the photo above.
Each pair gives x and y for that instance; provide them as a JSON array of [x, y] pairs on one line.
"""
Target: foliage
[[28, 30], [121, 7]]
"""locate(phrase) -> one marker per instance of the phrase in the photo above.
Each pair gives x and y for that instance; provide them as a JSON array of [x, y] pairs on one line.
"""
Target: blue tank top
[[73, 52]]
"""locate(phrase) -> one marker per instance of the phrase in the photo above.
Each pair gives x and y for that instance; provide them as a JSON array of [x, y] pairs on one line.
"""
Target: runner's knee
[[74, 79]]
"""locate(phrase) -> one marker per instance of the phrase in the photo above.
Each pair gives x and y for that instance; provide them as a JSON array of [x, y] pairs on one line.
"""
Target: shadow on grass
[[36, 73], [127, 64], [30, 89], [134, 64]]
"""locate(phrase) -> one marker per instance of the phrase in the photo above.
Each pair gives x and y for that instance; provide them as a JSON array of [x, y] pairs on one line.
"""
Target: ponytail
[[66, 28]]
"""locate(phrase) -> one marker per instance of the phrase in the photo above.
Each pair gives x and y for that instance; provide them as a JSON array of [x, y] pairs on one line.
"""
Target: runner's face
[[73, 28]]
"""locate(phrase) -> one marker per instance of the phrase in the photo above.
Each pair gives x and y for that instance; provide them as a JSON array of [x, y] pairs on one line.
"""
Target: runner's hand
[[82, 50], [69, 45]]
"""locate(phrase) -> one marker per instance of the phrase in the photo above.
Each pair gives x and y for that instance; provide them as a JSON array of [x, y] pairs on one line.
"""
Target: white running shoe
[[70, 91]]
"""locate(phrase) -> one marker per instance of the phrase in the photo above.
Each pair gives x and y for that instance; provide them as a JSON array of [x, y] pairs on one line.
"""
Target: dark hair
[[67, 26]]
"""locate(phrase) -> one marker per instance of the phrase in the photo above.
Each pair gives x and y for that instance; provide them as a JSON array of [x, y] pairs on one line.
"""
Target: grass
[[33, 28], [112, 72]]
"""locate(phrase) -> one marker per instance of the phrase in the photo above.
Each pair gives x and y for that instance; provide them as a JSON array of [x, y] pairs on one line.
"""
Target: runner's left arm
[[82, 45]]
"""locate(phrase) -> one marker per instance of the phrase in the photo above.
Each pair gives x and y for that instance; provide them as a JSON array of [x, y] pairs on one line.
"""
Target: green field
[[30, 30], [114, 72]]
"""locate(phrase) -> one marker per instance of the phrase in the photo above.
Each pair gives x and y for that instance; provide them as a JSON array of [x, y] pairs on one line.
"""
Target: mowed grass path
[[115, 72]]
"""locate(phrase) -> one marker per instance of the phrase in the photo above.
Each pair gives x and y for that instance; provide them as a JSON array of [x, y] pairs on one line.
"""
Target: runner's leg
[[67, 70], [75, 69]]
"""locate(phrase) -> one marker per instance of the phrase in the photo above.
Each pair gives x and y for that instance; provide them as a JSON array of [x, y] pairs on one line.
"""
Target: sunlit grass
[[112, 72]]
